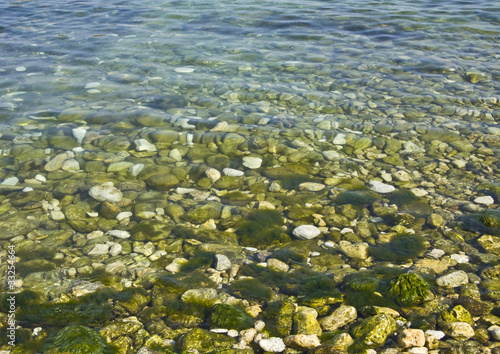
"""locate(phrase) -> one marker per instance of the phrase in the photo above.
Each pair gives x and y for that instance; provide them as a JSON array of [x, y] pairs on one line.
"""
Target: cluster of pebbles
[[146, 199]]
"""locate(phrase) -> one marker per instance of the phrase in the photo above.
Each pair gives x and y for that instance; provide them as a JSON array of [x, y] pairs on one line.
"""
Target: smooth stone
[[56, 215], [222, 263], [70, 165], [311, 186], [277, 265], [16, 225], [136, 169], [41, 178], [146, 249], [302, 341], [57, 161], [354, 250], [79, 134], [20, 68], [119, 234], [340, 139], [453, 279], [381, 187], [411, 338], [144, 145], [123, 215], [487, 200], [212, 174], [184, 69], [273, 345], [306, 232], [176, 265], [331, 155], [98, 250], [435, 253], [437, 334], [175, 154], [495, 332], [106, 192], [252, 162], [11, 181], [231, 172], [115, 249], [338, 318], [460, 258], [119, 166], [459, 330]]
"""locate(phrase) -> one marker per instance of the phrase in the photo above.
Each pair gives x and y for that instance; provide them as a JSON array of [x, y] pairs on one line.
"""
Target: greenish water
[[201, 112]]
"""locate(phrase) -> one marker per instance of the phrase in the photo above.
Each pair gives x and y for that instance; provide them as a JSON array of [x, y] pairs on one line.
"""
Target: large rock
[[339, 318], [306, 232], [454, 279], [202, 213], [106, 192], [374, 331], [16, 225]]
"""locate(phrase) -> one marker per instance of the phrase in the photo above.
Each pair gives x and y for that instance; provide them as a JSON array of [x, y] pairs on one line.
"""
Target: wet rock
[[106, 192], [222, 263], [354, 250], [456, 314], [305, 321], [162, 181], [277, 265], [490, 243], [204, 341], [252, 162], [411, 338], [144, 145], [338, 318], [306, 232], [302, 341], [453, 279], [57, 161], [486, 200], [202, 213], [374, 331], [381, 187], [459, 330], [15, 225], [273, 345]]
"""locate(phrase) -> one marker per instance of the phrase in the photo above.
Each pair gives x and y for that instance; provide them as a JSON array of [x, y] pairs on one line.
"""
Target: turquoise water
[[299, 105]]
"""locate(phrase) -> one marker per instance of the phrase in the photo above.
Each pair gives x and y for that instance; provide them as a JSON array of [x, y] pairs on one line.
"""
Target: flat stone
[[222, 263], [70, 165], [11, 181], [381, 187], [106, 192], [273, 345], [311, 186], [277, 265], [144, 145], [57, 161], [411, 338], [79, 133], [453, 279], [459, 330], [340, 139], [338, 318], [437, 334], [486, 200], [331, 155], [302, 341], [231, 172], [16, 225], [306, 232], [212, 174], [252, 162], [460, 258], [357, 250], [119, 234], [98, 250]]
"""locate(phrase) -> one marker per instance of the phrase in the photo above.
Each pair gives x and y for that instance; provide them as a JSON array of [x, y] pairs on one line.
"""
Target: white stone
[[119, 233], [231, 172], [453, 279], [340, 139], [115, 249], [459, 330], [106, 192], [70, 165], [21, 68], [252, 162], [459, 163], [419, 192], [57, 161], [381, 187], [460, 258], [212, 174], [311, 186], [91, 85], [144, 145], [402, 176], [56, 215], [437, 334], [495, 332], [411, 148], [487, 200], [175, 154], [354, 250], [176, 265], [222, 263], [184, 69], [136, 169], [79, 134], [11, 181], [273, 345], [123, 215], [41, 178], [331, 155], [329, 244], [435, 253], [98, 250], [306, 232]]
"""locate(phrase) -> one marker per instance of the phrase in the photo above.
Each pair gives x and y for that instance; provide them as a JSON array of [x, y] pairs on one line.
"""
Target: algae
[[408, 288], [78, 340]]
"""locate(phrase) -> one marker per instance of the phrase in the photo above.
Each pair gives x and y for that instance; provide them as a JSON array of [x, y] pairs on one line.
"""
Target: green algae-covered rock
[[205, 341], [279, 317], [132, 300], [15, 225], [373, 331], [76, 214], [456, 314], [229, 182], [250, 288], [305, 321], [409, 288], [202, 213], [230, 143], [78, 340], [162, 181], [229, 317]]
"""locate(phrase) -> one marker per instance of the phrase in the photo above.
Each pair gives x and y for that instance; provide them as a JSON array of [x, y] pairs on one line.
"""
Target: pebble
[[222, 262], [338, 318], [106, 192], [495, 332], [79, 134], [252, 162], [184, 69], [331, 155], [357, 250], [119, 233], [98, 250], [273, 345], [311, 186], [231, 172], [57, 161], [302, 341], [123, 215], [454, 279], [11, 181], [381, 187], [437, 334], [306, 232], [70, 165], [459, 330], [41, 178], [435, 253], [175, 154], [340, 139], [56, 215], [144, 145], [411, 338], [487, 200], [460, 258], [212, 174]]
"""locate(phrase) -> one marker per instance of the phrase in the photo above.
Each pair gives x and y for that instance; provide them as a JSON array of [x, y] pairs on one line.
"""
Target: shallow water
[[405, 93]]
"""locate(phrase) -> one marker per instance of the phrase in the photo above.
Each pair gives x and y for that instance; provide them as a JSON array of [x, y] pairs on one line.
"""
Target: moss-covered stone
[[132, 300], [279, 317], [456, 314], [229, 317], [409, 288], [262, 228], [205, 341], [78, 340], [251, 288], [374, 331], [202, 213], [400, 249]]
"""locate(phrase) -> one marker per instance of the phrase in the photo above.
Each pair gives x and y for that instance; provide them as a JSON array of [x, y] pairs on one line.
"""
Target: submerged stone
[[374, 331]]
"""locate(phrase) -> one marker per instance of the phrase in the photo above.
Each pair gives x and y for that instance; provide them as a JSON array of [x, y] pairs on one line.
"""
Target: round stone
[[119, 234], [252, 162], [222, 263], [487, 200], [273, 345], [306, 232], [340, 139], [381, 187], [453, 279], [144, 145], [106, 192], [231, 172]]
